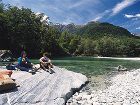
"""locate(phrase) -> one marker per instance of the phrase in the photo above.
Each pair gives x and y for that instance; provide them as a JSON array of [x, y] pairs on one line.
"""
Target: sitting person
[[45, 63], [24, 64]]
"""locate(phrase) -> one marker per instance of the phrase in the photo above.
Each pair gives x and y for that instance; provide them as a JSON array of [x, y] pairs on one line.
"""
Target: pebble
[[124, 90], [79, 98]]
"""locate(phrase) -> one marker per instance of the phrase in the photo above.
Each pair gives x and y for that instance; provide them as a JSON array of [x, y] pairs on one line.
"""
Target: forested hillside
[[94, 29], [21, 29]]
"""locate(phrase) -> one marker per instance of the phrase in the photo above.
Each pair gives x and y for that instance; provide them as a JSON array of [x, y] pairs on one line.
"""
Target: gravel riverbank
[[122, 89]]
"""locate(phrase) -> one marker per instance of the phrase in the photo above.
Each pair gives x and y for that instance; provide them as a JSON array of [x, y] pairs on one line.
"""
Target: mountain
[[71, 28], [94, 29]]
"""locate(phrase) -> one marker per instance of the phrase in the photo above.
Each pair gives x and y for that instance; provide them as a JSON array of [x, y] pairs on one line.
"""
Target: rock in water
[[121, 68], [43, 88]]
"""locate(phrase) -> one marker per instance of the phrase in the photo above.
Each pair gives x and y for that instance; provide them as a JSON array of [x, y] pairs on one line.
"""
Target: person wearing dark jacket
[[24, 64]]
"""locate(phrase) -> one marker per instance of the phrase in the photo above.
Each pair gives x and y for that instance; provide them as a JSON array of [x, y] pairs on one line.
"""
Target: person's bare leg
[[47, 67], [50, 68], [51, 65], [43, 67]]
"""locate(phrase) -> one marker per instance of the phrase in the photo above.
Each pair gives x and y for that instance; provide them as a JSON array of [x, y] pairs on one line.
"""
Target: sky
[[124, 13]]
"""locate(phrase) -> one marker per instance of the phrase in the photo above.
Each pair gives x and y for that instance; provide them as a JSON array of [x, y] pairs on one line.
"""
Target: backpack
[[11, 67], [6, 83]]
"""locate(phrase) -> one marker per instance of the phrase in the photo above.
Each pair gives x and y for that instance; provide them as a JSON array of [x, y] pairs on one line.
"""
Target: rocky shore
[[43, 88], [123, 89]]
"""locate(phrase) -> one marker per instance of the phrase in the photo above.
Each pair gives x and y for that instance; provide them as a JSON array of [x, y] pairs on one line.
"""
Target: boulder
[[121, 68], [6, 56], [43, 88]]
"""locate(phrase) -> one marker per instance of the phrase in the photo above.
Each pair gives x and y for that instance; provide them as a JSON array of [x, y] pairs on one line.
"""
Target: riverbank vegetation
[[22, 29]]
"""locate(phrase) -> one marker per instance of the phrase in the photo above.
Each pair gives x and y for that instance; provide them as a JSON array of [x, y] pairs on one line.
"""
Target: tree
[[24, 30], [4, 40], [74, 43], [64, 41], [107, 46]]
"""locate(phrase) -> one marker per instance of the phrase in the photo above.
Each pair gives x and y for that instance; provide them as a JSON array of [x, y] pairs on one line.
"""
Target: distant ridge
[[94, 28]]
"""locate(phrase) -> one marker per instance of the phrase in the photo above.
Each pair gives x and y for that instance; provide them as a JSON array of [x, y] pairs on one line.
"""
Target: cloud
[[138, 28], [97, 18], [71, 18], [78, 4], [134, 17], [84, 2], [122, 5], [116, 9], [129, 16], [132, 25], [100, 16], [137, 15]]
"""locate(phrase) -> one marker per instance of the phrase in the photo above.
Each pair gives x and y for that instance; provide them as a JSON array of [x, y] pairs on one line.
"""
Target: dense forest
[[22, 29]]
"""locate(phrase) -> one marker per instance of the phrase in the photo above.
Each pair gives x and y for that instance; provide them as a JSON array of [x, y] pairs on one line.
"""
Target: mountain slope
[[94, 29]]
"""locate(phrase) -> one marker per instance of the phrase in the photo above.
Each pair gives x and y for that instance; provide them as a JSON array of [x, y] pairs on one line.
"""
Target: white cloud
[[100, 16], [131, 25], [138, 28], [137, 15], [71, 18], [129, 16], [134, 17], [83, 2], [78, 4], [117, 8], [67, 21], [122, 5], [97, 18]]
